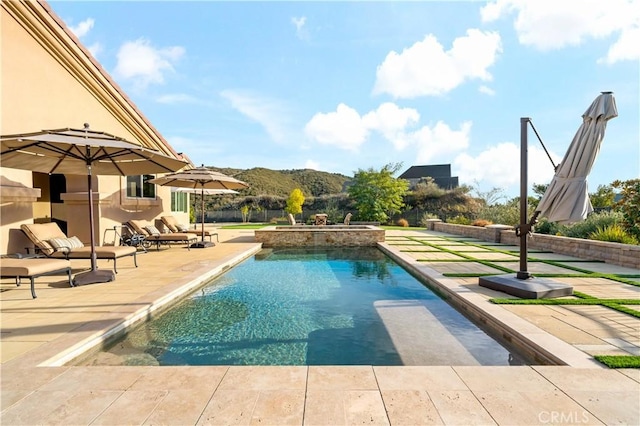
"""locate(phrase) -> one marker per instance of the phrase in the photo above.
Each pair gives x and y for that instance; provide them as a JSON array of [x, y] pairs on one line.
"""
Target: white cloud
[[391, 121], [144, 64], [486, 90], [343, 128], [269, 113], [82, 28], [499, 166], [626, 48], [551, 24], [313, 165], [301, 31], [440, 142], [427, 69]]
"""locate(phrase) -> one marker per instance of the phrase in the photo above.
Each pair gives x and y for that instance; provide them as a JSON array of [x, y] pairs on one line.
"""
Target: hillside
[[281, 182]]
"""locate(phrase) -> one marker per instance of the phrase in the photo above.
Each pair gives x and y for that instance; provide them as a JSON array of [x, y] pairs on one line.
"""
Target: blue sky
[[342, 86]]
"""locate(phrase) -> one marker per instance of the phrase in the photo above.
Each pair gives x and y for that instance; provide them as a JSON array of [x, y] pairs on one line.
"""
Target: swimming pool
[[323, 306]]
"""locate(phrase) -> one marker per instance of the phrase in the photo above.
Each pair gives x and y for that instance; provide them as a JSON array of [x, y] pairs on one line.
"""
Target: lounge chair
[[152, 234], [50, 241], [172, 224], [33, 268]]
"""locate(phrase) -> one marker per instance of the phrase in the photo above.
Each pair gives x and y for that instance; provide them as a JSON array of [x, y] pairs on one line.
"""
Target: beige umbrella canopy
[[80, 152], [566, 200], [200, 178]]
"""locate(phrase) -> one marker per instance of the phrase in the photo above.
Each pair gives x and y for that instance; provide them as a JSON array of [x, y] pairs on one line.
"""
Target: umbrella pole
[[94, 275], [202, 199], [202, 243], [524, 228]]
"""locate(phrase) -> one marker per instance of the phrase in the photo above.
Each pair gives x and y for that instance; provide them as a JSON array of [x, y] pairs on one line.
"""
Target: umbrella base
[[202, 244], [93, 277], [531, 288]]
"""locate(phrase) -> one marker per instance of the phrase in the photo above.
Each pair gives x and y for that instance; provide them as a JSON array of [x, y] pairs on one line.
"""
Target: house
[[441, 174], [51, 81]]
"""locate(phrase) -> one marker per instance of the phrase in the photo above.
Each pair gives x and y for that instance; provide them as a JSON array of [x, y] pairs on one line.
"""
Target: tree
[[603, 197], [629, 205], [377, 194], [295, 202]]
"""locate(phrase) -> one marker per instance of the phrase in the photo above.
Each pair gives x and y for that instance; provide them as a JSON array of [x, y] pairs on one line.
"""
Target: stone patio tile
[[621, 408], [358, 377], [537, 267], [502, 378], [180, 407], [10, 397], [281, 407], [514, 407], [418, 378], [607, 268], [587, 379], [34, 409], [82, 408], [346, 407], [230, 407], [135, 406], [91, 378], [28, 379], [264, 378], [410, 407], [460, 408], [199, 378]]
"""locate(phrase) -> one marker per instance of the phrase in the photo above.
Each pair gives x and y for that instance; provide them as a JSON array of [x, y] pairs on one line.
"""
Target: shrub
[[459, 220], [425, 217], [402, 222], [546, 227], [613, 233], [506, 214], [481, 222], [590, 225], [629, 205]]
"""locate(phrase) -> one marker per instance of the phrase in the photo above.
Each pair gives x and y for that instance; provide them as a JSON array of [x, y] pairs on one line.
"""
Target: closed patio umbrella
[[566, 200], [79, 152], [200, 178]]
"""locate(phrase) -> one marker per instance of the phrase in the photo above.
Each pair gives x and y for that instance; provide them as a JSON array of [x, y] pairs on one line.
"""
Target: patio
[[55, 326]]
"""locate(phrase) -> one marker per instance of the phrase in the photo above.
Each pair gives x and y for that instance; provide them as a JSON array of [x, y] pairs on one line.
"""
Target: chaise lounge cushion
[[172, 224], [31, 267], [42, 233], [141, 228]]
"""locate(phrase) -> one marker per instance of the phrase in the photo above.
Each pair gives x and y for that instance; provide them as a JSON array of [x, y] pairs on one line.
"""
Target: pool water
[[329, 306]]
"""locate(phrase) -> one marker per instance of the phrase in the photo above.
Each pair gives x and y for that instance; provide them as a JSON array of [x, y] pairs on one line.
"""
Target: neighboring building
[[50, 81], [441, 174]]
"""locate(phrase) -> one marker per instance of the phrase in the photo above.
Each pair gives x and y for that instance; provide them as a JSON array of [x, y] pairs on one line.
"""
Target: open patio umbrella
[[566, 200], [200, 178], [205, 192], [79, 152]]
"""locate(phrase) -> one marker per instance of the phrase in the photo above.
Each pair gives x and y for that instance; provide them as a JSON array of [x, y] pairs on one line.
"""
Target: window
[[179, 202], [139, 187]]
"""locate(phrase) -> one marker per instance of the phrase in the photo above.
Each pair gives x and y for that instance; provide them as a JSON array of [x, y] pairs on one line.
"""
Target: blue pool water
[[311, 307]]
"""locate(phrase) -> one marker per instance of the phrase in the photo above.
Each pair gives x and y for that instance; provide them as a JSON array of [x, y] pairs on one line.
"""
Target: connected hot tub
[[320, 236]]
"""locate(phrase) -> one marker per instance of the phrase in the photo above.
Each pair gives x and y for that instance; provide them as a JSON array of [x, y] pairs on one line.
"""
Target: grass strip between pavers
[[619, 361], [583, 299]]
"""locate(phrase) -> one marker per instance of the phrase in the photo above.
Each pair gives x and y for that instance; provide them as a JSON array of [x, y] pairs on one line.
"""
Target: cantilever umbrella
[[79, 152], [566, 200], [200, 178]]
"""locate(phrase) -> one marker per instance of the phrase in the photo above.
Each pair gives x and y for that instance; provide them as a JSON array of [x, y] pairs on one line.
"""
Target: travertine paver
[[463, 268], [537, 267], [435, 256]]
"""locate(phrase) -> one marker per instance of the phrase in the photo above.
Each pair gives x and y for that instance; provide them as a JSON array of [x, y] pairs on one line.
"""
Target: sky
[[347, 86]]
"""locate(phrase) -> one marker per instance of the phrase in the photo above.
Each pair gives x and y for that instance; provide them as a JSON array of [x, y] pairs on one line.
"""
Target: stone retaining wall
[[321, 236], [615, 253]]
